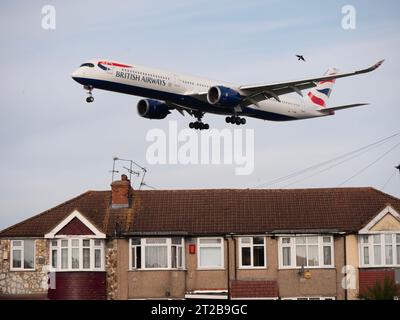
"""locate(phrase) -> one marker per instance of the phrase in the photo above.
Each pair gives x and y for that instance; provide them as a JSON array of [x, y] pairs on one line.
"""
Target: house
[[225, 244]]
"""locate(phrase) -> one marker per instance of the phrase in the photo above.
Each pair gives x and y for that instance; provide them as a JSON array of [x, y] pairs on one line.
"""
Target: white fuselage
[[184, 90]]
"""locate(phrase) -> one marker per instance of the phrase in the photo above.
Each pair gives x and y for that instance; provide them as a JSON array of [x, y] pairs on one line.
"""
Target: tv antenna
[[130, 170]]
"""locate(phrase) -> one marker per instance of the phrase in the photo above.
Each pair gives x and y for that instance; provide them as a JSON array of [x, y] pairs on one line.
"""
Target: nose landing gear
[[235, 120], [89, 91]]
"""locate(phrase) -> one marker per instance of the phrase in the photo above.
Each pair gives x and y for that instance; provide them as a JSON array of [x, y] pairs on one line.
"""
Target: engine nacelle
[[152, 109], [223, 96]]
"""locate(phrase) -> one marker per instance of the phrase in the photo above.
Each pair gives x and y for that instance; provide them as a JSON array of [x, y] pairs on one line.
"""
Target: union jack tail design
[[321, 93]]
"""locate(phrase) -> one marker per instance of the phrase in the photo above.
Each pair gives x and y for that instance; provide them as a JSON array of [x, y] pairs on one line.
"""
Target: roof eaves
[[44, 212]]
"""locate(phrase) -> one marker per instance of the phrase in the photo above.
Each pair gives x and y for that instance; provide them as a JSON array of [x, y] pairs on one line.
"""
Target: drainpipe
[[345, 263], [229, 268], [235, 254], [229, 262]]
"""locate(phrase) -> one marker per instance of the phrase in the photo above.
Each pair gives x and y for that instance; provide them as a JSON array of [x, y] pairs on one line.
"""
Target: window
[[380, 250], [306, 251], [156, 253], [22, 255], [210, 253], [77, 254], [252, 252], [90, 65]]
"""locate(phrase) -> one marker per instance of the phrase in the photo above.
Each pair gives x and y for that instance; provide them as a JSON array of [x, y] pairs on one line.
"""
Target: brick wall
[[79, 286], [254, 289], [368, 277]]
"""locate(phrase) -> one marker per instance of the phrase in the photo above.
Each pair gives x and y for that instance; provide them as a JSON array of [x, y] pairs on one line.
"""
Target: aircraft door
[[177, 81], [110, 69]]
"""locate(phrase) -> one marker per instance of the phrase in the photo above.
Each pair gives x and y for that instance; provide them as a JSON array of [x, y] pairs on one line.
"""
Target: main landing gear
[[235, 120], [89, 91], [199, 125]]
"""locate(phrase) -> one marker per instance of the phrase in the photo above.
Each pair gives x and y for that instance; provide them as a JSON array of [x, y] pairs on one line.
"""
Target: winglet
[[375, 66], [378, 64]]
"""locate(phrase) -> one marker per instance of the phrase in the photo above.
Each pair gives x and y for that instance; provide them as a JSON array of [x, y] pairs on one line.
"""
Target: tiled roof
[[219, 211]]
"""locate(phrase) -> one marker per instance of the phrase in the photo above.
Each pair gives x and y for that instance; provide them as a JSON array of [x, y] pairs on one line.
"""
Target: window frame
[[168, 243], [21, 248], [251, 246], [293, 254], [92, 247], [370, 246], [310, 298], [200, 246]]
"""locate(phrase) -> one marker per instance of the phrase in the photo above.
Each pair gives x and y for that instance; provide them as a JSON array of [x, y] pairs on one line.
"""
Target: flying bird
[[300, 58]]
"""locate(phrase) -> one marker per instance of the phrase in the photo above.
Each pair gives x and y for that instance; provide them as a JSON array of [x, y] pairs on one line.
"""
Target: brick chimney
[[121, 192]]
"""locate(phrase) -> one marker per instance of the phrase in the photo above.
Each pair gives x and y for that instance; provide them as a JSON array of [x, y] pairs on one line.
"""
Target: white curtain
[[210, 257], [156, 257]]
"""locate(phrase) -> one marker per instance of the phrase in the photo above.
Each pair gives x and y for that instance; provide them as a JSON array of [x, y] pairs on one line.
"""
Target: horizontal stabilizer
[[329, 110]]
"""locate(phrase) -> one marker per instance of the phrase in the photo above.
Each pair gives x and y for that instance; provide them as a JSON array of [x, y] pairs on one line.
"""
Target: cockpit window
[[90, 65]]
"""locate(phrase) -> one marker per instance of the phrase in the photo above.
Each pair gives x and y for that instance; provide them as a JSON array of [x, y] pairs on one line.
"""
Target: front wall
[[323, 282], [24, 282], [174, 283], [268, 273], [156, 284], [206, 279], [79, 286], [352, 256]]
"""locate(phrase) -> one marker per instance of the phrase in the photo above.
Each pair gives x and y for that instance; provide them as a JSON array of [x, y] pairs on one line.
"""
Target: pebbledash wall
[[24, 282]]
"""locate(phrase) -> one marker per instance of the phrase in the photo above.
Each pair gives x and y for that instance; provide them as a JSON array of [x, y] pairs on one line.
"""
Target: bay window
[[77, 254], [210, 253], [156, 253], [22, 255], [252, 252], [306, 251], [380, 250]]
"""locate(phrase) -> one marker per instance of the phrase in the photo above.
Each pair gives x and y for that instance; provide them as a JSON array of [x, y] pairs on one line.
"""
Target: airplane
[[300, 58], [165, 91]]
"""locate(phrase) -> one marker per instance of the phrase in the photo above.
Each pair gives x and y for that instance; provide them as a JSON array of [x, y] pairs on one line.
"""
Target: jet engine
[[152, 109], [223, 96]]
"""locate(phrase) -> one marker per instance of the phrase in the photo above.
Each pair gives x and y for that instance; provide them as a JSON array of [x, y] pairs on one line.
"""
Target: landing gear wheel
[[89, 99], [197, 125], [235, 120], [191, 125], [206, 126]]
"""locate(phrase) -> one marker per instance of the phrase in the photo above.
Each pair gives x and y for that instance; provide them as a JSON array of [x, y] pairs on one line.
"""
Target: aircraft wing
[[256, 93], [179, 108], [333, 109]]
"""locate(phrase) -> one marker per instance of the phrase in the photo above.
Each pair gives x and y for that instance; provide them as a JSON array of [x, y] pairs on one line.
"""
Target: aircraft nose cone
[[75, 74]]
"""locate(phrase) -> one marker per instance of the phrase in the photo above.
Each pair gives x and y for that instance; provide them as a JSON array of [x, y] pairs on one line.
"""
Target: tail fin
[[319, 95]]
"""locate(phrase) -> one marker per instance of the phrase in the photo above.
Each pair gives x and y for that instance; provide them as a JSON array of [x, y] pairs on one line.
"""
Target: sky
[[55, 146]]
